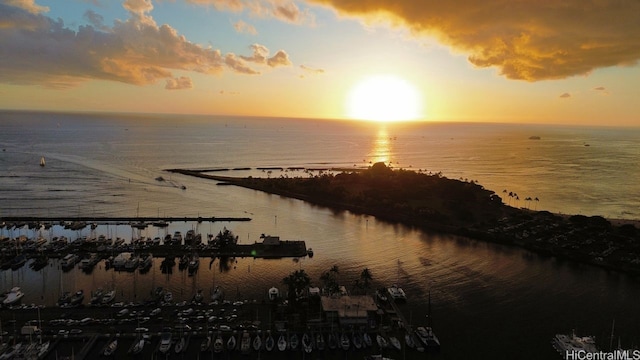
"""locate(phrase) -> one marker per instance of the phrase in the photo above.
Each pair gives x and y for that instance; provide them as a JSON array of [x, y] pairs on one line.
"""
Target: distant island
[[433, 202]]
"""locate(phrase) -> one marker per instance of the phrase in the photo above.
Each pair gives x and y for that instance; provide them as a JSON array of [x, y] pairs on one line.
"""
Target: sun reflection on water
[[381, 151]]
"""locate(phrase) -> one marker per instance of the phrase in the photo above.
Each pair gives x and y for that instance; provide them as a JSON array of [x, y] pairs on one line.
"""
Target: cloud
[[526, 40], [261, 56], [28, 5], [565, 96], [312, 70], [181, 83], [284, 10], [599, 88], [38, 50], [243, 27]]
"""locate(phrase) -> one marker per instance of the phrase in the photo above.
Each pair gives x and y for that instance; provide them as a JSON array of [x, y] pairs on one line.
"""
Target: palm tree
[[537, 201], [296, 283], [366, 278]]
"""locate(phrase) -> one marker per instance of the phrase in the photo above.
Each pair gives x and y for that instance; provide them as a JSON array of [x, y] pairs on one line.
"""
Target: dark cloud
[[525, 39], [36, 49], [565, 95], [599, 88]]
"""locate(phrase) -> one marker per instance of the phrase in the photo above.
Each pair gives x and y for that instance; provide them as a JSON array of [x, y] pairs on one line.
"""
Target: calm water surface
[[489, 301]]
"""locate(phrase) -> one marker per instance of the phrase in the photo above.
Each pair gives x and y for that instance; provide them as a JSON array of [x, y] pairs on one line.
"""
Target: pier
[[112, 219]]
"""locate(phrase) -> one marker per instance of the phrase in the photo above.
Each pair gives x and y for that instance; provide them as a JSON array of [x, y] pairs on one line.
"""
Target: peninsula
[[436, 203]]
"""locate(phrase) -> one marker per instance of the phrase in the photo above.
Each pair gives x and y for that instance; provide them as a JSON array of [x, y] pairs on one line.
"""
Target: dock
[[150, 220]]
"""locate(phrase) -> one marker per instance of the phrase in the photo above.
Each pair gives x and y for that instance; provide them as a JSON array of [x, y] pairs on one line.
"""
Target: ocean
[[489, 301]]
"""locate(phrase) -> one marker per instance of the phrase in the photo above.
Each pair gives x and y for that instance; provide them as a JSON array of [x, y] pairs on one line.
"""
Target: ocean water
[[489, 301]]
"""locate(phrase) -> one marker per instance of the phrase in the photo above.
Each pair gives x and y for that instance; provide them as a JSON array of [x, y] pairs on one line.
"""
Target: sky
[[529, 61]]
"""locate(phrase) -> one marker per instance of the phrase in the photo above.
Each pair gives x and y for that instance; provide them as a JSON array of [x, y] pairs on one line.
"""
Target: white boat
[[180, 345], [274, 294], [395, 342], [111, 348], [396, 293], [245, 343], [257, 342], [565, 344], [206, 344], [231, 343], [344, 342], [218, 344], [165, 340], [109, 297], [382, 342], [138, 347], [307, 345], [13, 297], [269, 343], [282, 343]]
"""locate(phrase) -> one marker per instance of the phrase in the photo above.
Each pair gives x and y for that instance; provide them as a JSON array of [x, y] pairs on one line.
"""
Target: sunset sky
[[569, 62]]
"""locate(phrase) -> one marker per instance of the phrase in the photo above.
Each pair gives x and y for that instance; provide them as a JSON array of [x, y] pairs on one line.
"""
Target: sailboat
[[42, 162]]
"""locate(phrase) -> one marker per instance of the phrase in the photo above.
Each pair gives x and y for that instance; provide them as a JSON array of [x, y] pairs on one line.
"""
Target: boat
[[245, 343], [96, 297], [69, 261], [177, 238], [138, 347], [39, 263], [206, 344], [132, 263], [111, 348], [146, 260], [269, 343], [395, 342], [408, 340], [257, 342], [77, 298], [217, 294], [293, 342], [333, 341], [108, 297], [366, 338], [274, 294], [566, 344], [396, 293], [382, 342], [428, 338], [168, 297], [180, 345], [197, 297], [218, 344], [231, 342], [282, 343], [356, 338], [184, 262], [320, 341], [165, 340], [13, 297], [307, 344], [310, 252], [194, 263], [344, 342], [42, 349], [18, 262], [42, 162], [64, 299]]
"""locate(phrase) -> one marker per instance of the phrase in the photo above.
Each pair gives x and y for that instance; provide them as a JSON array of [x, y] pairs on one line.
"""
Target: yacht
[[180, 345], [428, 337], [344, 342], [77, 298], [206, 344], [111, 348], [320, 341], [218, 344], [138, 347], [69, 261], [274, 294], [307, 344], [382, 342], [165, 341], [13, 297], [269, 343], [245, 342], [573, 344], [231, 343], [109, 297], [257, 342], [396, 293], [282, 343]]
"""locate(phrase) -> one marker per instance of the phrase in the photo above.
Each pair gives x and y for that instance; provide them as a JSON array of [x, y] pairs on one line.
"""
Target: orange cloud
[[261, 56], [243, 27], [525, 39], [39, 50], [284, 10], [181, 83]]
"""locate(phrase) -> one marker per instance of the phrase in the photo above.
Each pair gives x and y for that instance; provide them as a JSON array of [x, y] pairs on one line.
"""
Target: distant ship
[[573, 344], [42, 162]]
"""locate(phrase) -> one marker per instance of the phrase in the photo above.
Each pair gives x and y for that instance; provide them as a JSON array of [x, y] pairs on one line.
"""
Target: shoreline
[[592, 240]]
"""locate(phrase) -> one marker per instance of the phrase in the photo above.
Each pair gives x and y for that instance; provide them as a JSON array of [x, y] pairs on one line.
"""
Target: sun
[[384, 98]]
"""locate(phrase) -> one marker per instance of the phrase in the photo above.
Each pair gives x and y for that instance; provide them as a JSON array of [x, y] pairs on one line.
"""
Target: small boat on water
[[42, 162], [408, 340], [108, 297], [357, 340], [269, 343], [111, 348], [96, 298], [395, 342], [231, 343], [344, 342], [307, 344], [197, 297], [217, 294], [165, 340], [333, 341], [137, 347], [77, 298], [168, 297], [428, 337], [320, 345], [293, 342], [218, 344], [206, 344], [382, 342], [274, 294], [257, 342], [282, 343], [13, 297], [180, 345], [245, 343], [366, 338]]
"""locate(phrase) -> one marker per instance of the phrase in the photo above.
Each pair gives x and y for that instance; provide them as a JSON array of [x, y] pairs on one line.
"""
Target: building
[[350, 310]]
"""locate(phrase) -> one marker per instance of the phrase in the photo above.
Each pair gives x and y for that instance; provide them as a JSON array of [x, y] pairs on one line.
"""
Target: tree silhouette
[[296, 282]]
